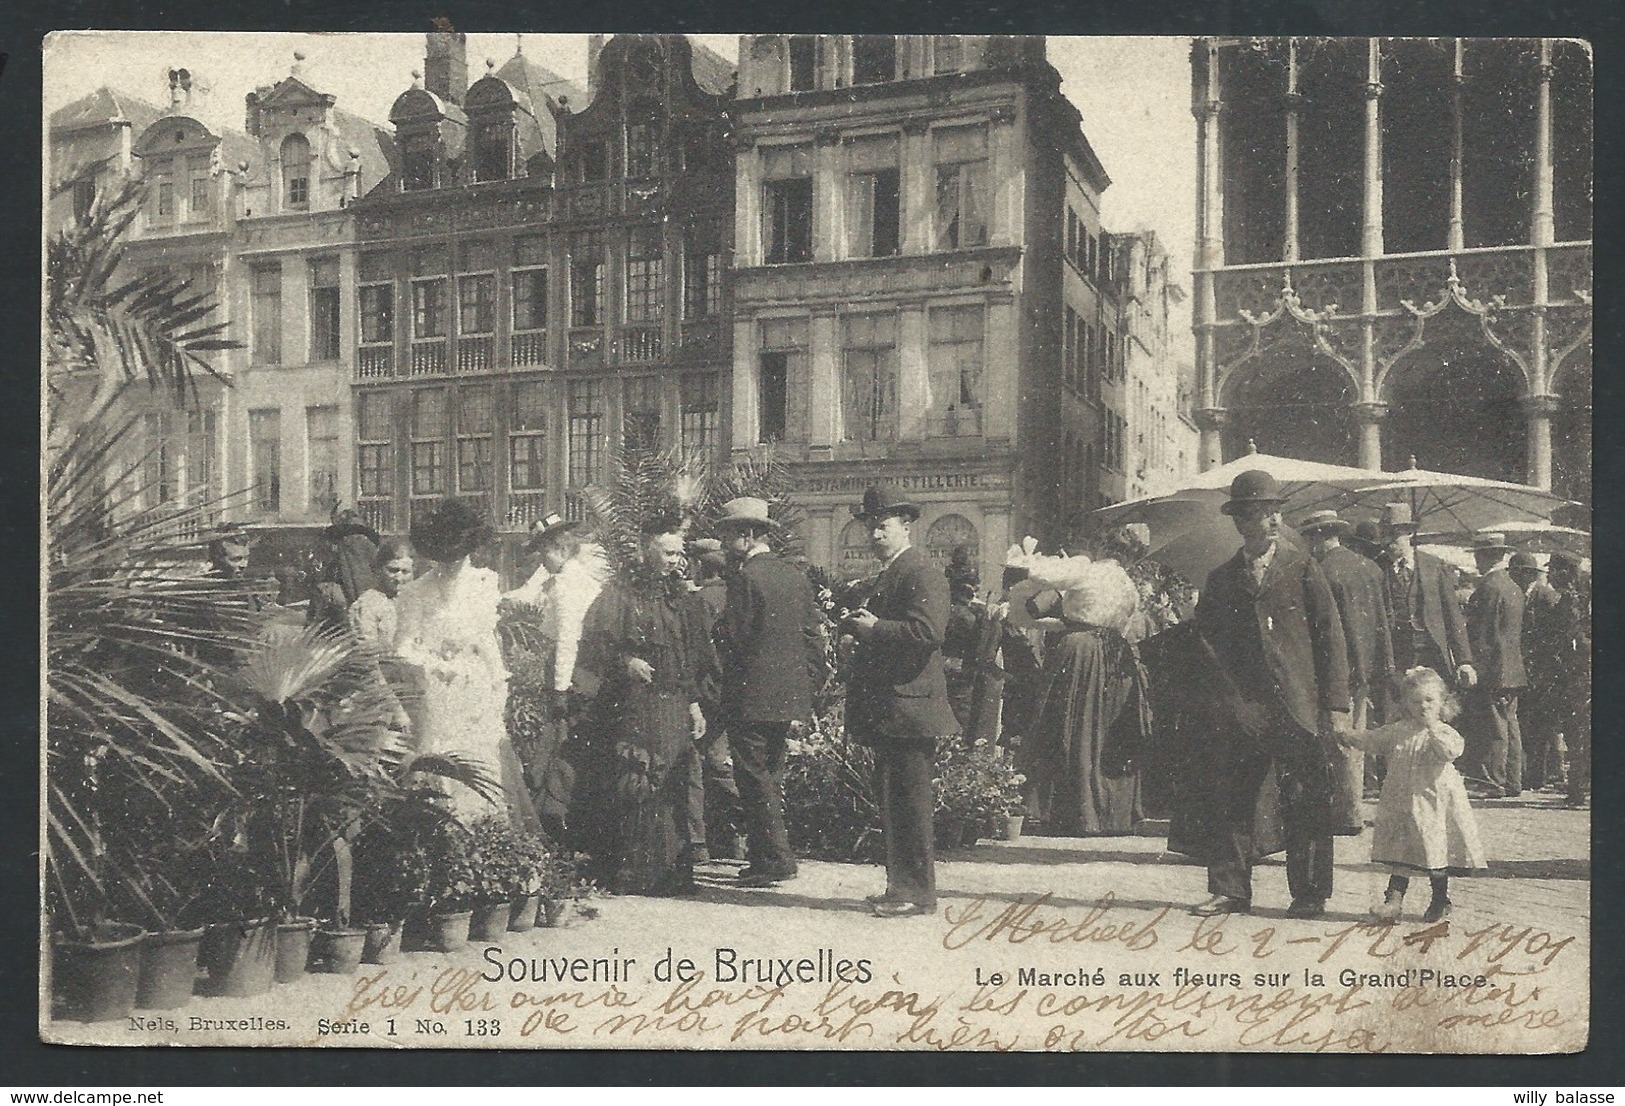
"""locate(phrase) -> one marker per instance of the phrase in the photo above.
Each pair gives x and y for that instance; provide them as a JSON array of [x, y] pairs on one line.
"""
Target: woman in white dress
[[446, 626]]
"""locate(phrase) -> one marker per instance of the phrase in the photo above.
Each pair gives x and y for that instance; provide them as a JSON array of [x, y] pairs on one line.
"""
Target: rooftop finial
[[417, 78], [298, 63], [1413, 460], [490, 64], [518, 44], [1252, 446]]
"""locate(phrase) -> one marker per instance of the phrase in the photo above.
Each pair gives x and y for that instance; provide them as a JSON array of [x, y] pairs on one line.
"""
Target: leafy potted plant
[[450, 883], [535, 855], [562, 888], [505, 875]]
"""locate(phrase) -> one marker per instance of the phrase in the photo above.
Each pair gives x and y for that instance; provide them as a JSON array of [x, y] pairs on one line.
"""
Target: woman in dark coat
[[1091, 711]]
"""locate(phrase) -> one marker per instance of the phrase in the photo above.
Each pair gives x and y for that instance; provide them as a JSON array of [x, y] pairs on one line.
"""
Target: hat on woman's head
[[553, 526], [451, 531]]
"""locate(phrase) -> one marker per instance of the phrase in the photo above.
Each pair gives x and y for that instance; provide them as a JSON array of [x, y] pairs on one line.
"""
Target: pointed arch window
[[296, 173]]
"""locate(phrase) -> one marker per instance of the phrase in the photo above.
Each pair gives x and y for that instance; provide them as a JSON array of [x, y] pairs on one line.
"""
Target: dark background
[[25, 1062]]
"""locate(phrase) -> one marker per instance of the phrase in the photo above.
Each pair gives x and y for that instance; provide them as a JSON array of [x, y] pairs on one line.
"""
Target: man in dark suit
[[1495, 629], [1428, 629], [1362, 605], [897, 696], [1542, 635], [1571, 691], [1279, 680], [771, 643]]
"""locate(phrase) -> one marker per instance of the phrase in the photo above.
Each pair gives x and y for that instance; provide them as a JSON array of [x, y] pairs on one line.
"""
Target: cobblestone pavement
[[1539, 877]]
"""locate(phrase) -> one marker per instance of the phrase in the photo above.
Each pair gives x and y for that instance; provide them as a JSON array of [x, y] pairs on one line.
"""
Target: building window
[[493, 150], [947, 54], [377, 313], [803, 62], [699, 416], [640, 414], [375, 451], [781, 367], [950, 535], [296, 172], [157, 463], [645, 276], [84, 198], [594, 160], [702, 273], [199, 454], [322, 457], [787, 204], [956, 358], [164, 199], [586, 278], [642, 150], [527, 430], [1069, 348], [874, 58], [324, 308], [961, 161], [428, 448], [772, 396], [265, 459], [474, 430], [530, 299], [267, 314], [418, 158], [199, 201], [869, 384], [874, 201], [587, 412], [703, 151], [789, 217], [477, 304], [857, 552], [429, 308]]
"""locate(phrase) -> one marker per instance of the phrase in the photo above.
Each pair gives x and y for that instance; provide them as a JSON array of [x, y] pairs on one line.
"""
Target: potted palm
[[535, 856], [442, 915]]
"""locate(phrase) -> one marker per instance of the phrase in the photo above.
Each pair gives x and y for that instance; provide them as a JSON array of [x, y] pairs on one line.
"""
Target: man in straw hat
[[1495, 629], [1362, 604], [1278, 676], [771, 645], [897, 697]]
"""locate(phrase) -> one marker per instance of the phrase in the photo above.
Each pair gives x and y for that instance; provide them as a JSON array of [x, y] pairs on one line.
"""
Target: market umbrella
[[1189, 534], [1454, 503], [1534, 537]]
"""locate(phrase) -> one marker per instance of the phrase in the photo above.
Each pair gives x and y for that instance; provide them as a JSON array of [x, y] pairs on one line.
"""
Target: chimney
[[595, 46], [445, 66]]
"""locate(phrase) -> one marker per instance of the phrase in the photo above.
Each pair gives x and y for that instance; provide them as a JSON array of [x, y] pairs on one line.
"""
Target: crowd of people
[[1303, 680]]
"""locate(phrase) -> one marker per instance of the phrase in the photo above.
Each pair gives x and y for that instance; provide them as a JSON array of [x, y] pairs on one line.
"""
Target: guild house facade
[[541, 280], [1394, 253], [922, 290]]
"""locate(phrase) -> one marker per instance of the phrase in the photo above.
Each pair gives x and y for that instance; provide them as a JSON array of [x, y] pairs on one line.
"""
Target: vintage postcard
[[817, 541]]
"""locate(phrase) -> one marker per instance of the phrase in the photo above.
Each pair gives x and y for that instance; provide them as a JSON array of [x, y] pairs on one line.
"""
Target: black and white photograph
[[912, 542]]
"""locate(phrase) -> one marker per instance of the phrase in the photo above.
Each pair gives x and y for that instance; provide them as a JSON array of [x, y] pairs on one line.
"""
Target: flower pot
[[95, 979], [337, 950], [556, 912], [1012, 826], [240, 957], [382, 943], [489, 921], [949, 833], [437, 932], [168, 969], [293, 948], [522, 913], [971, 834]]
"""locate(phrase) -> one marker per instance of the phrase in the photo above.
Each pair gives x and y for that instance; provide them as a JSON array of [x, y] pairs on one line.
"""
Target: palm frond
[[291, 662], [650, 487]]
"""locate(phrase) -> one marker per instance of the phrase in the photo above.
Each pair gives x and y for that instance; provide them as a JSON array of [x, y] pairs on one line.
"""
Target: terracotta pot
[[337, 950], [382, 943], [556, 912], [522, 913], [168, 969], [449, 932], [490, 921], [1012, 826], [293, 948], [95, 980], [240, 957]]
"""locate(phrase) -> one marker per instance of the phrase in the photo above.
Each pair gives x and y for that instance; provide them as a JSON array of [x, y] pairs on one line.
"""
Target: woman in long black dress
[[1091, 709]]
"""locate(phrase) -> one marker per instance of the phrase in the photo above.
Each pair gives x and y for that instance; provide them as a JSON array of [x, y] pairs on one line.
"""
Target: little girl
[[1424, 823]]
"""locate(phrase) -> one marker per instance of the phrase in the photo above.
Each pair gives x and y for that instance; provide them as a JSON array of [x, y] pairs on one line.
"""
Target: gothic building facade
[[1394, 253], [542, 279]]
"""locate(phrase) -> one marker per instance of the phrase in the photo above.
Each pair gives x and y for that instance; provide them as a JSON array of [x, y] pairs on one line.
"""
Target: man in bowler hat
[[1428, 629], [770, 639], [897, 696], [1279, 679]]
